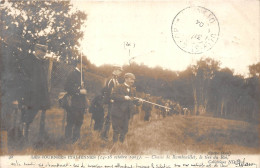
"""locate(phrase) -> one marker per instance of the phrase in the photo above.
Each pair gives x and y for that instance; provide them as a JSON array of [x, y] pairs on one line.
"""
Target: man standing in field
[[34, 84], [110, 85], [77, 107], [123, 106]]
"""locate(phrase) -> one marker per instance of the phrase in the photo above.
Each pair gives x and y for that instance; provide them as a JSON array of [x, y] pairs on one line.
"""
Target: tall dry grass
[[173, 134]]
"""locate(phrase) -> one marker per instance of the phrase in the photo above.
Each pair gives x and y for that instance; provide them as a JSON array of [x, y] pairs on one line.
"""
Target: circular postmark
[[195, 30]]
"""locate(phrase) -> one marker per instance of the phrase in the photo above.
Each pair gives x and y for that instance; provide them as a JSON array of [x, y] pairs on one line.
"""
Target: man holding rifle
[[123, 106], [77, 105]]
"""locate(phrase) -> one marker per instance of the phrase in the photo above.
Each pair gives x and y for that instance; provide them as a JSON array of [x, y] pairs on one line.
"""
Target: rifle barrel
[[137, 98]]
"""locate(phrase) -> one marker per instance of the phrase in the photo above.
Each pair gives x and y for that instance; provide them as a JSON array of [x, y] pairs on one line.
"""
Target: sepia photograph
[[129, 78]]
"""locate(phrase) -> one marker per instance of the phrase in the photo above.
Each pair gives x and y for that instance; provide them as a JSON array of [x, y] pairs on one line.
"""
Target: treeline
[[204, 88]]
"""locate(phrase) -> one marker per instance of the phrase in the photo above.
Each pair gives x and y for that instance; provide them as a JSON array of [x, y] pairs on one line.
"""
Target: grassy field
[[174, 134]]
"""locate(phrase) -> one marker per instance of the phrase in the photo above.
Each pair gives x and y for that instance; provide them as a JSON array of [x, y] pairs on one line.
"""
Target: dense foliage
[[204, 88]]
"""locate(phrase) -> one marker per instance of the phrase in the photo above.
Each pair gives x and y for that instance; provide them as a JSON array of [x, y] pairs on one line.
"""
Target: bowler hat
[[130, 75]]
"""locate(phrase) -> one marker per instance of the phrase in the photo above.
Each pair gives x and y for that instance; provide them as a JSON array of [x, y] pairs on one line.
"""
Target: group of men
[[174, 108], [118, 97], [121, 106], [119, 100]]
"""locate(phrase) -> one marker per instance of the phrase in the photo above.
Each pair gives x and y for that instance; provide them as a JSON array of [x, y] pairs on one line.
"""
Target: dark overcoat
[[122, 108], [97, 109], [72, 87], [34, 83]]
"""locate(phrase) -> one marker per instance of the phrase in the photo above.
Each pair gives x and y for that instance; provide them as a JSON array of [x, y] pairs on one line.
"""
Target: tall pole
[[49, 73], [81, 70]]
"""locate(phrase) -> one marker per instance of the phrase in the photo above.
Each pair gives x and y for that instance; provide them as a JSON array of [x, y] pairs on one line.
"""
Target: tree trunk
[[195, 102]]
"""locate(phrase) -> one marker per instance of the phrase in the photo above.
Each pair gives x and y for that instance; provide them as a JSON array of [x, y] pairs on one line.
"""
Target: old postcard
[[130, 83]]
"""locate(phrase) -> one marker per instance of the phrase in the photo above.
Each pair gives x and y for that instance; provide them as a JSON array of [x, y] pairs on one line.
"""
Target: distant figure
[[186, 111], [123, 107], [35, 87], [178, 108], [160, 109], [168, 110], [77, 107], [147, 108], [97, 111], [171, 106], [110, 85], [165, 111]]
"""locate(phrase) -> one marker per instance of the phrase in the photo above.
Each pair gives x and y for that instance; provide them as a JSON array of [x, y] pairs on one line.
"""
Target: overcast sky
[[148, 26]]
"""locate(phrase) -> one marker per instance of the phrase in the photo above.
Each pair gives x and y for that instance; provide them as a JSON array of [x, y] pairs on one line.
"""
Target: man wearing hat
[[110, 85], [123, 106], [77, 106], [34, 84]]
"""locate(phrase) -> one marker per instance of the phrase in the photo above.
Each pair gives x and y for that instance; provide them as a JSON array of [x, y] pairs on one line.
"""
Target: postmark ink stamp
[[195, 30]]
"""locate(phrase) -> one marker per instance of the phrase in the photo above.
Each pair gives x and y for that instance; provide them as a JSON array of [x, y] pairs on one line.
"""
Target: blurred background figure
[[147, 108], [97, 111]]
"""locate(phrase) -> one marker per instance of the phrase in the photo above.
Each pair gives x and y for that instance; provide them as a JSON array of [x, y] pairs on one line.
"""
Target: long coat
[[123, 108], [73, 86], [34, 83]]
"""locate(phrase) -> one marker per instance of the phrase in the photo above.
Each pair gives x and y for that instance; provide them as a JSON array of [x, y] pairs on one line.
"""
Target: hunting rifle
[[137, 98]]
